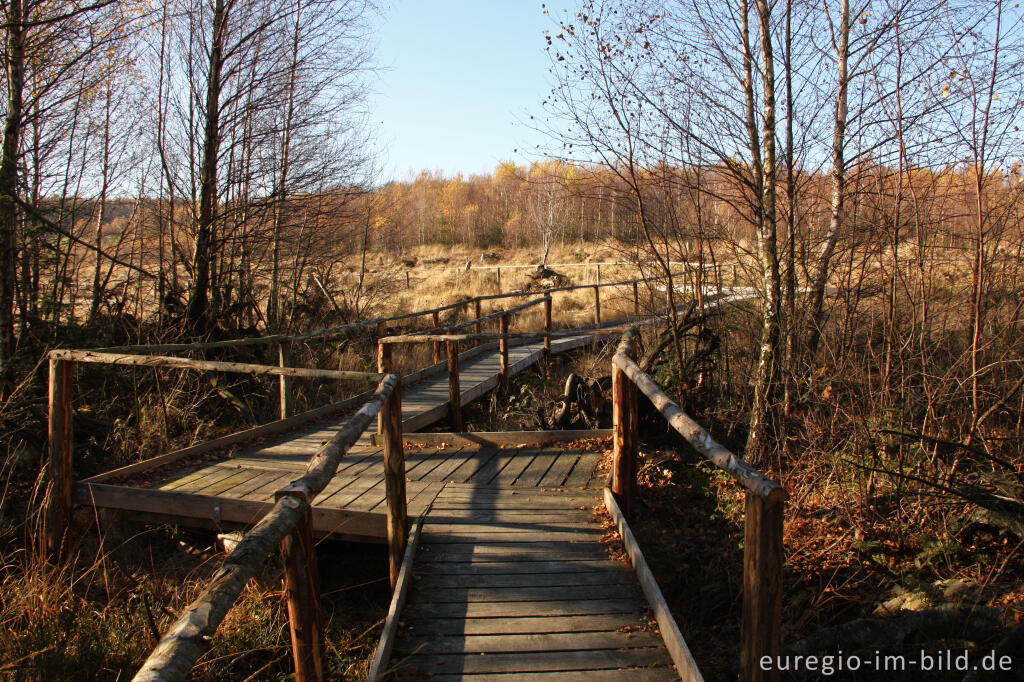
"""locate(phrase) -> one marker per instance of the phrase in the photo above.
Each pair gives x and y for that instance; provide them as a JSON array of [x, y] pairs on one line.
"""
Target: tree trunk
[[767, 366], [817, 302], [199, 302], [9, 181]]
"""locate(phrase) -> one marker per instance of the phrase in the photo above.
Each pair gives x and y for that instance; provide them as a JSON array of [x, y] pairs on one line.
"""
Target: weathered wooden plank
[[532, 475], [523, 609], [559, 471], [525, 643], [382, 653], [582, 474], [602, 576], [658, 674], [509, 537], [526, 625], [525, 593], [469, 567], [541, 661]]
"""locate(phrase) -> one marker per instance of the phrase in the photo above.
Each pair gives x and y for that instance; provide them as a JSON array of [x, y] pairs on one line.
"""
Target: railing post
[[285, 383], [597, 305], [407, 284], [302, 594], [384, 365], [394, 483], [454, 392], [503, 348], [547, 339], [636, 299], [382, 329], [59, 499], [761, 628], [624, 437], [437, 344], [598, 273], [499, 280], [479, 325]]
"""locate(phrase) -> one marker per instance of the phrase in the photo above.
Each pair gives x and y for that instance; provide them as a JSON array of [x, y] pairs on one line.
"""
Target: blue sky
[[460, 80]]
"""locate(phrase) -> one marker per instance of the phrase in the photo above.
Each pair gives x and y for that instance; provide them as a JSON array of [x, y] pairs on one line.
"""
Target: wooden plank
[[532, 475], [509, 537], [506, 437], [240, 476], [677, 648], [603, 576], [527, 625], [525, 643], [486, 530], [261, 479], [541, 661], [199, 479], [535, 567], [382, 654], [523, 609], [524, 593], [659, 674], [582, 474], [217, 509], [559, 471]]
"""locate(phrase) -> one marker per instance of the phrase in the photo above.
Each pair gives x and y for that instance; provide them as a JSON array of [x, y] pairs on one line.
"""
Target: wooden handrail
[[189, 637], [93, 357], [488, 336], [763, 551], [335, 331]]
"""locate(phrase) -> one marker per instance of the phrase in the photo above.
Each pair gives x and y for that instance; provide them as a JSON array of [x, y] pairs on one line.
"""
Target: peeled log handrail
[[190, 636], [93, 357], [696, 435]]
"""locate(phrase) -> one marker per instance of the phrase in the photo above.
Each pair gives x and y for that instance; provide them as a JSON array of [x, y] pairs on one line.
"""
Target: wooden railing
[[59, 501], [761, 627], [288, 525]]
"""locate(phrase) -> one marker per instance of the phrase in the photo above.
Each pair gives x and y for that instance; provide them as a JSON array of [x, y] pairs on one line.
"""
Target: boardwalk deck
[[515, 582]]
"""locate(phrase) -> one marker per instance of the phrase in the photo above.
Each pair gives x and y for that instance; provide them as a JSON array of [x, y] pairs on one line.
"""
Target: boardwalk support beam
[[394, 483], [59, 500]]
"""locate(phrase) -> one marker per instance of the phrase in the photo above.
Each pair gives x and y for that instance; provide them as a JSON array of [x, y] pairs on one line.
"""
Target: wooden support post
[[394, 483], [302, 594], [454, 392], [59, 500], [761, 627], [503, 348], [479, 325], [597, 305], [407, 284], [636, 299], [384, 365], [547, 325], [437, 344], [599, 273], [285, 383], [734, 274], [499, 281], [382, 329], [624, 435]]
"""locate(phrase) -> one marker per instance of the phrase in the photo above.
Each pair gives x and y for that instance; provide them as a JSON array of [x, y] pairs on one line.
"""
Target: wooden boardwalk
[[515, 582], [507, 575], [234, 485]]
